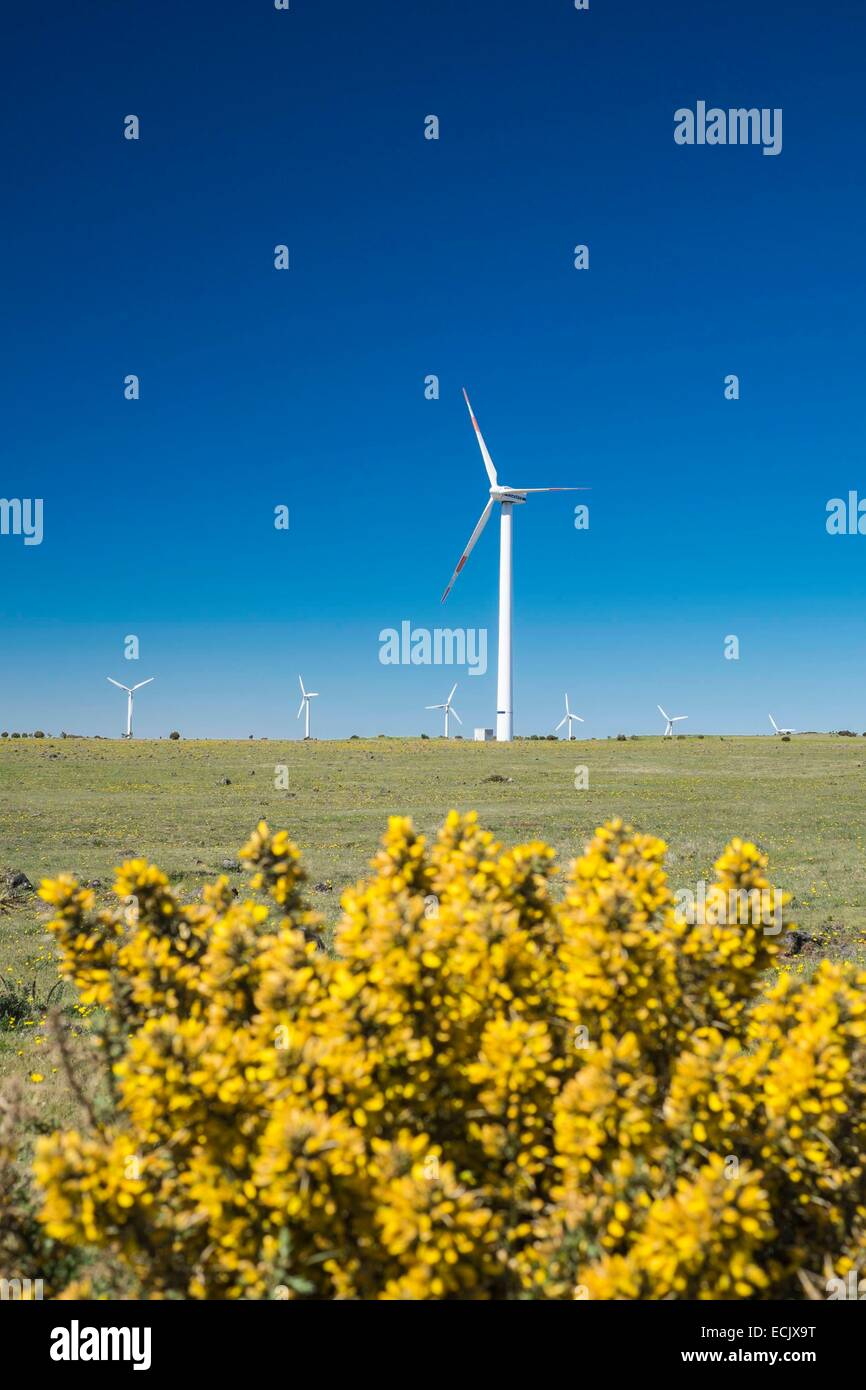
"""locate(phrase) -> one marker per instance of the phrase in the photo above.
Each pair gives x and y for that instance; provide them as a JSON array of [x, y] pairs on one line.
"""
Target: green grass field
[[84, 804]]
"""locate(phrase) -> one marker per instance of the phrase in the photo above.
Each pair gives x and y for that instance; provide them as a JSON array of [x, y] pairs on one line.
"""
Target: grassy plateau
[[83, 805]]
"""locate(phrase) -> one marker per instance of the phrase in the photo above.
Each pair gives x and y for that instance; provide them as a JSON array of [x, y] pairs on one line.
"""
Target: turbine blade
[[434, 706], [661, 712], [141, 683], [300, 708], [117, 683], [301, 683], [482, 522], [488, 461], [578, 718], [456, 716], [451, 696], [560, 724], [552, 489]]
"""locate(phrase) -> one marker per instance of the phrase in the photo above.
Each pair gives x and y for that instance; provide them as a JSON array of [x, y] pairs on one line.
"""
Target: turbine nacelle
[[508, 494]]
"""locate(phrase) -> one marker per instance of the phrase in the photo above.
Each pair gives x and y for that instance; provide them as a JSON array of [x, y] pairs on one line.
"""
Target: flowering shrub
[[484, 1093]]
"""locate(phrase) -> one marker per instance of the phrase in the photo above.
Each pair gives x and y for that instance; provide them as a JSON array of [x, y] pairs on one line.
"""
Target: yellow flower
[[517, 1095]]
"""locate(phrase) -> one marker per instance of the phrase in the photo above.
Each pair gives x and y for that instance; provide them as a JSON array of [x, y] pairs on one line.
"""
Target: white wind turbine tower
[[448, 708], [130, 691], [776, 728], [304, 706], [671, 720], [568, 717], [507, 497]]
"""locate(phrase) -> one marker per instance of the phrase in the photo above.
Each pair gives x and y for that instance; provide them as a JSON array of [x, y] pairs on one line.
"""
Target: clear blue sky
[[412, 257]]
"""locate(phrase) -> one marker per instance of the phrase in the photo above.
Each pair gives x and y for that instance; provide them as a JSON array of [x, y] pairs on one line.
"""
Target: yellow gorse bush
[[484, 1093]]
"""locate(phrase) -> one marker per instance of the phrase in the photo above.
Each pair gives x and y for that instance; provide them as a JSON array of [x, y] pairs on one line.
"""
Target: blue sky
[[412, 257]]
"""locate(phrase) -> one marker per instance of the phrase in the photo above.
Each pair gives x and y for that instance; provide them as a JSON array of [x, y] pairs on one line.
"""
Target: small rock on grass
[[18, 882], [797, 941]]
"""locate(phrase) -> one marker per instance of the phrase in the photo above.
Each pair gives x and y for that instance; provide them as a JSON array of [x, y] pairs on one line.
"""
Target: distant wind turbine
[[130, 691], [568, 718], [777, 729], [508, 498], [671, 720], [448, 708], [304, 706]]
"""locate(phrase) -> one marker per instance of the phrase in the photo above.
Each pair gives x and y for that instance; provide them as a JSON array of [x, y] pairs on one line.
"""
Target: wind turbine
[[130, 691], [448, 708], [569, 717], [507, 497], [777, 729], [671, 720], [304, 706]]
